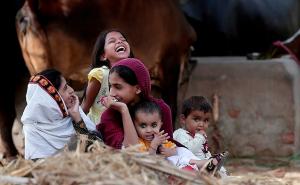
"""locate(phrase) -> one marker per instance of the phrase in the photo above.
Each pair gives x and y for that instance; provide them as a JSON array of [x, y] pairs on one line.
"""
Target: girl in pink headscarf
[[129, 83]]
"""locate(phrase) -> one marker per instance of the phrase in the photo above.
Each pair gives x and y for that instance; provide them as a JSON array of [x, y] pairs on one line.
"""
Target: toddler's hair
[[199, 103], [145, 106]]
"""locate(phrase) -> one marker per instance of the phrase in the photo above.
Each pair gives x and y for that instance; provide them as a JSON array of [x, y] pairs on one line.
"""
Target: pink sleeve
[[111, 130]]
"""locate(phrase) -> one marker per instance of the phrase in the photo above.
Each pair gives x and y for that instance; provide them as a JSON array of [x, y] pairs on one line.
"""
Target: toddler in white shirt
[[195, 117]]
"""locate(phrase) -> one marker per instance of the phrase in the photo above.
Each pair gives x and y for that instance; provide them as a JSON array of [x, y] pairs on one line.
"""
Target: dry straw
[[100, 165], [103, 165]]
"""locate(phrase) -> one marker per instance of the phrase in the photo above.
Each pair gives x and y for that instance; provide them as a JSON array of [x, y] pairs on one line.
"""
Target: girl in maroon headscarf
[[129, 83]]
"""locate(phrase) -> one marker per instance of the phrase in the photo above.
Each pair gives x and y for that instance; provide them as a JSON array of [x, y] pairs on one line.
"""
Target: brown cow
[[61, 34]]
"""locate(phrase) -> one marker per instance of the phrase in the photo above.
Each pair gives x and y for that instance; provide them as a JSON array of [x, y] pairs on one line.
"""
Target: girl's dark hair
[[99, 49], [199, 103], [125, 73], [53, 76]]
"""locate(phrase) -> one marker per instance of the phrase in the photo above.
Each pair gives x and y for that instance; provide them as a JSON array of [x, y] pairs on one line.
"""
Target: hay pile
[[104, 165], [101, 165]]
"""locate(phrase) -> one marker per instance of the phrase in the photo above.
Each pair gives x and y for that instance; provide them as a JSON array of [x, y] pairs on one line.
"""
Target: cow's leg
[[7, 101], [7, 80], [7, 116]]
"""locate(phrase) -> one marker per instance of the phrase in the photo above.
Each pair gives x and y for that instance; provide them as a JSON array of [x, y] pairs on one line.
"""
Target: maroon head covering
[[141, 73]]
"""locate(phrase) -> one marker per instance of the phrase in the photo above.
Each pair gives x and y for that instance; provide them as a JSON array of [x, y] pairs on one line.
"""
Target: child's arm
[[95, 78], [193, 144], [196, 143], [92, 91]]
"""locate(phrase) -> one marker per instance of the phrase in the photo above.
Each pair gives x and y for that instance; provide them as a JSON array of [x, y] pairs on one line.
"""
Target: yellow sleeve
[[96, 73]]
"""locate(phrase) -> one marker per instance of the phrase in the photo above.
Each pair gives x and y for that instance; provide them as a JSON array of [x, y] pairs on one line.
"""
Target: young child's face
[[196, 121], [147, 124]]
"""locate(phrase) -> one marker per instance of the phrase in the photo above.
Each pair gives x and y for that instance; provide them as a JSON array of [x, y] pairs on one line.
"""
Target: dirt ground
[[264, 171]]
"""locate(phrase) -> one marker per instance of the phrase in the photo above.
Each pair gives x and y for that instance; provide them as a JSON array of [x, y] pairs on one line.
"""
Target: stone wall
[[259, 103]]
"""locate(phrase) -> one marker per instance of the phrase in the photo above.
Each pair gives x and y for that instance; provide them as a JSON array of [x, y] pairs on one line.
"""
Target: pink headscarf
[[141, 72]]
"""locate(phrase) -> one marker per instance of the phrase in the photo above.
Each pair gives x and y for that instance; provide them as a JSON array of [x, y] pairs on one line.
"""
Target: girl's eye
[[143, 125], [115, 86], [118, 87], [154, 125], [111, 41]]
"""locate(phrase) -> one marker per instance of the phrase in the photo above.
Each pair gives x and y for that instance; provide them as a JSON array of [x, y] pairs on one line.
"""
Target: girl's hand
[[159, 138], [109, 101], [73, 109], [167, 152]]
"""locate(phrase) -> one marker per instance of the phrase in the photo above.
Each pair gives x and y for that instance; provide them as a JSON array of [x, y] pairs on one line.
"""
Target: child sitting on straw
[[195, 117], [147, 118]]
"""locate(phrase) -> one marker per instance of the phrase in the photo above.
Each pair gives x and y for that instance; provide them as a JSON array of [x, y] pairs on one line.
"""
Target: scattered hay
[[101, 165], [104, 165]]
